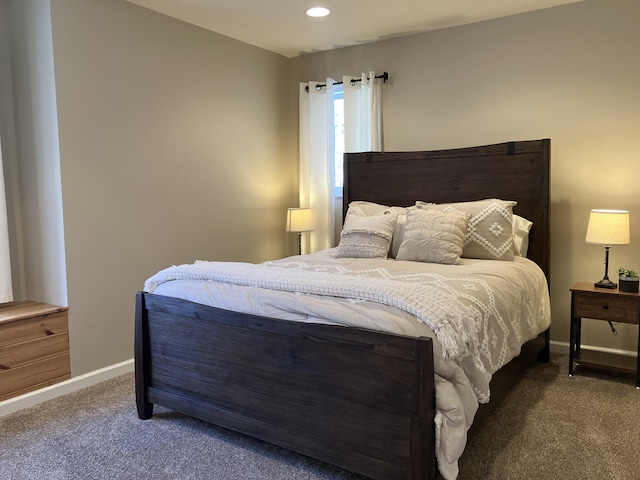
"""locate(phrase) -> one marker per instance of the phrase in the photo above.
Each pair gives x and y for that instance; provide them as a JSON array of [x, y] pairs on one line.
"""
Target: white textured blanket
[[455, 324]]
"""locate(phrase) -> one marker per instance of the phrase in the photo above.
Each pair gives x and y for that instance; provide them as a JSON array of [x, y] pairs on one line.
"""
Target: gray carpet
[[549, 427]]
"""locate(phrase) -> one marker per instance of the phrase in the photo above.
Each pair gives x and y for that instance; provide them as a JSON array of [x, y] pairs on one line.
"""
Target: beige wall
[[177, 144], [174, 146], [568, 73]]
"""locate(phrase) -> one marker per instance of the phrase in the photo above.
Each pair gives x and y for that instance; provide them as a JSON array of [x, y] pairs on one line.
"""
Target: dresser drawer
[[12, 356], [34, 347], [17, 331], [34, 375], [606, 307]]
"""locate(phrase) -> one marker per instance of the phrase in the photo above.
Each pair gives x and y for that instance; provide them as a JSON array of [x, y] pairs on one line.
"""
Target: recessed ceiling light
[[318, 12]]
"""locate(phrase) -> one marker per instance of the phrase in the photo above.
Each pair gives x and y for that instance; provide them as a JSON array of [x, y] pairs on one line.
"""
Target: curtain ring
[[353, 82], [318, 88]]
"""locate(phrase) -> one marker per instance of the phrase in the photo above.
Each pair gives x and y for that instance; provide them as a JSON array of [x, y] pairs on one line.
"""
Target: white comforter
[[498, 305]]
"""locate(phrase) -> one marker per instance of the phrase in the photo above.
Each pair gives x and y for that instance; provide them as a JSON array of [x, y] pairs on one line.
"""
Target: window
[[338, 125]]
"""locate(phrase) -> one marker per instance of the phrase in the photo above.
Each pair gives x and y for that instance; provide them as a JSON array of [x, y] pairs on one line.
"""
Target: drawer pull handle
[[3, 367], [49, 332], [605, 306]]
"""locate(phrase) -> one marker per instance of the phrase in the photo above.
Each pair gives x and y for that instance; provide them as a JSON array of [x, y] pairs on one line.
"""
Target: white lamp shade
[[299, 220], [608, 227]]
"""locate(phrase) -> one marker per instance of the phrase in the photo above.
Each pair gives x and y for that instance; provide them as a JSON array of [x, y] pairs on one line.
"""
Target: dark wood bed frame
[[358, 399]]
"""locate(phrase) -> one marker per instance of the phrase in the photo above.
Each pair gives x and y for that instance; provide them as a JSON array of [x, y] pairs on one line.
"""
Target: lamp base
[[605, 283]]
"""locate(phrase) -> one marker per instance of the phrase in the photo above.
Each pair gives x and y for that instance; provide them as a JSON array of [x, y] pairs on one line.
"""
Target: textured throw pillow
[[433, 236], [368, 209], [366, 237], [489, 232], [521, 229]]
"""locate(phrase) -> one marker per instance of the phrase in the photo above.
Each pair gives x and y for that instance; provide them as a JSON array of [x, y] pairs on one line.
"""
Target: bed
[[358, 398]]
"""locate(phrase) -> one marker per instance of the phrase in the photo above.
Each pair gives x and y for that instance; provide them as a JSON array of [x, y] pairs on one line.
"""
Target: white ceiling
[[281, 26]]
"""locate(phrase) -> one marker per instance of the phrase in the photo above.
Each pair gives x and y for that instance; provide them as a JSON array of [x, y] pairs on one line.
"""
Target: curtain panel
[[6, 288], [317, 146], [363, 113]]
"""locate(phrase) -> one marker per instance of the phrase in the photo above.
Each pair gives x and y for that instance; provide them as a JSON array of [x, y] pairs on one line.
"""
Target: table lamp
[[299, 220], [608, 227]]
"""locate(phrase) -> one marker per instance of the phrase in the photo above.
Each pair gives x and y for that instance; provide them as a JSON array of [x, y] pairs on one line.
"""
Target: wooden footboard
[[358, 399]]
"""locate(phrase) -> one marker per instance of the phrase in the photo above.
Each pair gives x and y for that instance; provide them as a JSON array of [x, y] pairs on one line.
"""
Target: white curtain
[[6, 289], [317, 146], [363, 113]]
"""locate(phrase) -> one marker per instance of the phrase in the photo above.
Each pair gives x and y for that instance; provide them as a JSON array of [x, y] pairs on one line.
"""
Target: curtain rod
[[384, 77]]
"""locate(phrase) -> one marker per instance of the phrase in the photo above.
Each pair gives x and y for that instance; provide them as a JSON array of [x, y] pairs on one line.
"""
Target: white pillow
[[368, 209], [521, 229], [366, 237], [398, 234], [433, 236], [489, 232]]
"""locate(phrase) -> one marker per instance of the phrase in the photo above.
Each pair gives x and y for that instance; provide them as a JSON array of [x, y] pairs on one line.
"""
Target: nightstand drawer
[[606, 307]]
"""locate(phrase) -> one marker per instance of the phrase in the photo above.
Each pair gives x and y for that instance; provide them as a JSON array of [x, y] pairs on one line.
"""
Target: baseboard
[[63, 388], [563, 348]]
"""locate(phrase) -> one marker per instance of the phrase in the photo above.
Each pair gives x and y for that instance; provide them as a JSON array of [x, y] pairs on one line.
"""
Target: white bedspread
[[500, 305]]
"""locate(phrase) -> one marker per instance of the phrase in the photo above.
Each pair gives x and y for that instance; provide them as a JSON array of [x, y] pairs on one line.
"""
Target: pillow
[[366, 237], [368, 209], [434, 236], [521, 229], [398, 235], [489, 232]]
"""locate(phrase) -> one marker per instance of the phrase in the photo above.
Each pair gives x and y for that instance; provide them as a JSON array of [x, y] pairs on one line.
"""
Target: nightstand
[[594, 303]]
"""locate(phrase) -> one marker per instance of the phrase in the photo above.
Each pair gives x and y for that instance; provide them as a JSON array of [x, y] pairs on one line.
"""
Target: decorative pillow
[[433, 236], [366, 237], [521, 229], [368, 209], [489, 233]]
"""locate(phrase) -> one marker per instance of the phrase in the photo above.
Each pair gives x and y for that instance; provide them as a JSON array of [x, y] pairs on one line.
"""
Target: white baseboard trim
[[563, 347], [68, 386]]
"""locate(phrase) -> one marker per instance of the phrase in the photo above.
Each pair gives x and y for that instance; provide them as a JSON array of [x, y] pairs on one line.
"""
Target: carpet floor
[[550, 426]]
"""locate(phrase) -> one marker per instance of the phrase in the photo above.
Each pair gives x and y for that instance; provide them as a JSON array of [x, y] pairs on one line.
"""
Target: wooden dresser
[[34, 347]]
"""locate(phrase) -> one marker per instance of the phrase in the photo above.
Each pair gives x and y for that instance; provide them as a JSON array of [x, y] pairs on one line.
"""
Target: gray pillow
[[433, 236], [366, 237]]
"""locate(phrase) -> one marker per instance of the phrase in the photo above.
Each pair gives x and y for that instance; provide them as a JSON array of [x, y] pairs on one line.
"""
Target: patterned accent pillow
[[366, 237], [367, 209], [489, 233], [434, 236]]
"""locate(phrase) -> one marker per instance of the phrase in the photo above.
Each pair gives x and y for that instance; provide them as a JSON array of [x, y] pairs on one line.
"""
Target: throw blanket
[[455, 324]]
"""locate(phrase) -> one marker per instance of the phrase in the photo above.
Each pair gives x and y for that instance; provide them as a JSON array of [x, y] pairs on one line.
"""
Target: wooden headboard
[[510, 171]]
